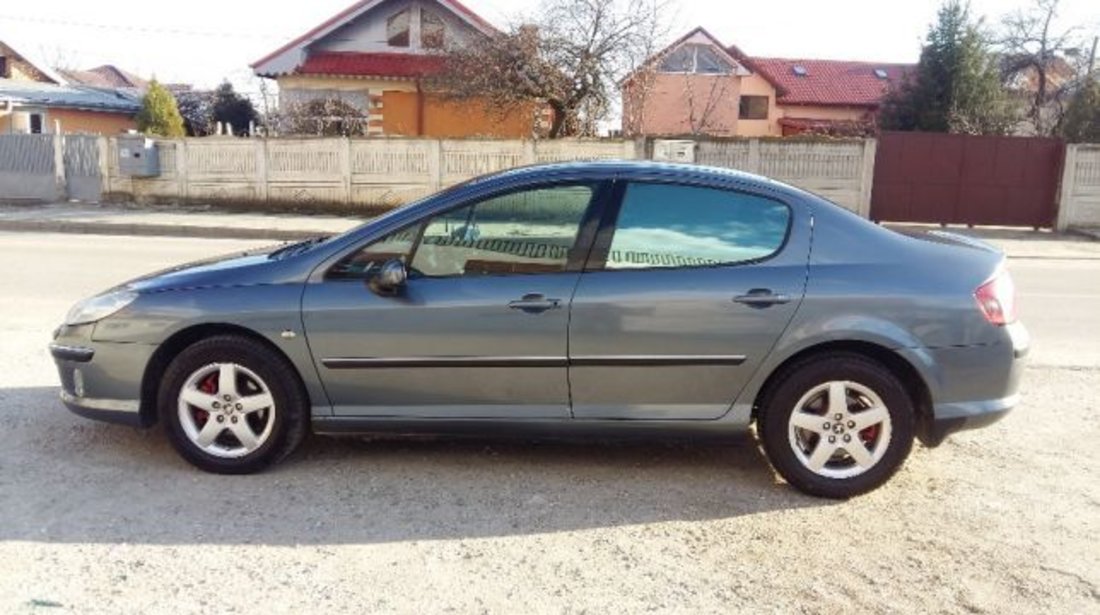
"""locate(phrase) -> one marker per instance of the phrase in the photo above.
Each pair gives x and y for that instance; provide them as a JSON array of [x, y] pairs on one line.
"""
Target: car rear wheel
[[837, 425], [230, 405]]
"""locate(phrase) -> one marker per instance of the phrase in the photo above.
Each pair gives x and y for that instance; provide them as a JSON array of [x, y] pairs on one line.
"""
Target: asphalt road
[[98, 518]]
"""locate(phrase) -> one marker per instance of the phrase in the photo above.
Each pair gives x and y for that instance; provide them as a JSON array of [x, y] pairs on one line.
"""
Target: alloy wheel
[[840, 429], [226, 410]]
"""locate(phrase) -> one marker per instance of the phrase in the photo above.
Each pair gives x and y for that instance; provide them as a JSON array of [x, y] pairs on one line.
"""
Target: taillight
[[997, 298]]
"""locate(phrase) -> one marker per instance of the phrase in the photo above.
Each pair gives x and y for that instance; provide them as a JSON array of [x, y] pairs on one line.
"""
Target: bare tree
[[320, 117], [705, 94], [1041, 62], [570, 57]]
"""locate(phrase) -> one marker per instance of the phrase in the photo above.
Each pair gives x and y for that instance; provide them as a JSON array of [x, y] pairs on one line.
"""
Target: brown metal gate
[[964, 179]]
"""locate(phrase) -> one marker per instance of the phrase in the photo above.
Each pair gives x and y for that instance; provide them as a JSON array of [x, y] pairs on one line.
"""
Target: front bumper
[[100, 380]]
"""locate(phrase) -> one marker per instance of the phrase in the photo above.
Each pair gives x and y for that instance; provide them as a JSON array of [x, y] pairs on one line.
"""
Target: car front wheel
[[837, 425], [231, 405]]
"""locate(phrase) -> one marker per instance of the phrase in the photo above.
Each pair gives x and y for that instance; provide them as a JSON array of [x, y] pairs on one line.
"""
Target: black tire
[[291, 417], [778, 403]]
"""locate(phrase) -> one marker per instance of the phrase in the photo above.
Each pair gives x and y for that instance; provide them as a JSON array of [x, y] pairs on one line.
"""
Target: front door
[[480, 328], [682, 302]]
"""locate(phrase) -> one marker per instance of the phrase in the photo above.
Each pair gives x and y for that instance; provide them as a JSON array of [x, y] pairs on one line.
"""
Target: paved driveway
[[97, 518]]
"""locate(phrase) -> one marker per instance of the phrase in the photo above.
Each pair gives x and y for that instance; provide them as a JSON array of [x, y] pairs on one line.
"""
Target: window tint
[[397, 29], [523, 232], [663, 225], [367, 261]]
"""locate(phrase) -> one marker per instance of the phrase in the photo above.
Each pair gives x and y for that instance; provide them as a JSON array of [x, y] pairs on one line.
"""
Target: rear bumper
[[952, 418], [975, 386]]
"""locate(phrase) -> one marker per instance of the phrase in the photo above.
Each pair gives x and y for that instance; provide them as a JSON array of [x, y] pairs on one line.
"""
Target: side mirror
[[390, 278]]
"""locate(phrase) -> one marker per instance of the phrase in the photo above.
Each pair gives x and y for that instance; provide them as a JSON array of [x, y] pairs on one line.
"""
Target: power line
[[139, 29]]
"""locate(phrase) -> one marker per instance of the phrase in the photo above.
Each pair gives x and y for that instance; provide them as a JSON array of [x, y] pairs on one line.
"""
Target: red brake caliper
[[209, 385]]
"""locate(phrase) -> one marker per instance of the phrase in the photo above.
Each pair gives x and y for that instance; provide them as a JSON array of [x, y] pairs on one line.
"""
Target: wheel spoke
[[869, 417], [227, 379], [838, 398], [198, 399], [244, 434], [821, 454], [210, 432], [809, 422], [252, 403], [858, 450]]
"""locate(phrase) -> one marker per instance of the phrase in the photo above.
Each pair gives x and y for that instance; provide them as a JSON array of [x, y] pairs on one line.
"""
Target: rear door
[[687, 290]]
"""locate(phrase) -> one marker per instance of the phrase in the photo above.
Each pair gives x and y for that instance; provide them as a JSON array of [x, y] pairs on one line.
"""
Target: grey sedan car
[[569, 300]]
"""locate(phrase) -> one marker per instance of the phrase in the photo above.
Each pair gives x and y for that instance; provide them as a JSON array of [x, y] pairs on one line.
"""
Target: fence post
[[59, 165], [1065, 199], [529, 153], [754, 156], [345, 163], [103, 153], [867, 177], [435, 165], [182, 169], [261, 169]]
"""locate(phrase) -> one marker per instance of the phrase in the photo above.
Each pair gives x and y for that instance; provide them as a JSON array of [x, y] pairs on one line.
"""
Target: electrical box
[[138, 157], [674, 151]]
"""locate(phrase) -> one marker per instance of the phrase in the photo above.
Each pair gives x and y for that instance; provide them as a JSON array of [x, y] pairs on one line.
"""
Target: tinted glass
[[523, 232], [664, 225], [367, 261]]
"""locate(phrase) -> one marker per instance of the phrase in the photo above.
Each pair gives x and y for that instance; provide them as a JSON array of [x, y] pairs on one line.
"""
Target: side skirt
[[532, 428]]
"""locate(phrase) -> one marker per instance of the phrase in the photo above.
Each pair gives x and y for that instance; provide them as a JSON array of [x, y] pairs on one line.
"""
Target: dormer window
[[397, 29], [432, 30], [881, 73], [696, 59], [799, 70]]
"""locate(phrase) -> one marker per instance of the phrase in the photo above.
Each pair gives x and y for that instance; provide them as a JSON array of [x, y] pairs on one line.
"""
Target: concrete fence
[[379, 172], [1080, 203]]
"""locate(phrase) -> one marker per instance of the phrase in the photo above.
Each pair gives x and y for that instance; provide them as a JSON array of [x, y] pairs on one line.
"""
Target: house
[[697, 85], [106, 76], [378, 55], [36, 99]]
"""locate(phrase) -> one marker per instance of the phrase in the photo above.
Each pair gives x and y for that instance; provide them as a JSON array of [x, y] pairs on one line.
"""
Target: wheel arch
[[910, 375], [176, 343]]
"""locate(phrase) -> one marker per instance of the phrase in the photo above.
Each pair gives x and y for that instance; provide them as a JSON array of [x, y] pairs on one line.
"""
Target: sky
[[203, 42]]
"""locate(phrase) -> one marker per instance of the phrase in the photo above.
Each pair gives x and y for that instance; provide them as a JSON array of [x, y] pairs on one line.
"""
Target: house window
[[431, 30], [697, 59], [397, 29], [753, 108], [36, 123], [3, 67]]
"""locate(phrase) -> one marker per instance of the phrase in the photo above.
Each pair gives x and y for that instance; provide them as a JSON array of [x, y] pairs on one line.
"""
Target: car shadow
[[67, 479]]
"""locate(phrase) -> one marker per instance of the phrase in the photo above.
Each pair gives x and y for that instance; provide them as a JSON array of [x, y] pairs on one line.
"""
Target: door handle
[[761, 298], [534, 303]]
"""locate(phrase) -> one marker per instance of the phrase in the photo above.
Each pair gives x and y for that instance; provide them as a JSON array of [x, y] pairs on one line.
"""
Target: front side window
[[397, 29], [518, 233], [431, 30], [666, 225], [367, 261]]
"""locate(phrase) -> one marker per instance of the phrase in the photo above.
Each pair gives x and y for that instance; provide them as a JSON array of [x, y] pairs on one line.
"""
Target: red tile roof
[[393, 65], [829, 82]]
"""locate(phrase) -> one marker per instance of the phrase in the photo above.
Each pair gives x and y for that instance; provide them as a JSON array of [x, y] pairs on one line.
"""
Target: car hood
[[234, 269]]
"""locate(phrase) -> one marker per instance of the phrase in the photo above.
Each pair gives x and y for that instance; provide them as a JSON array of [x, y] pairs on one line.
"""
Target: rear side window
[[666, 225]]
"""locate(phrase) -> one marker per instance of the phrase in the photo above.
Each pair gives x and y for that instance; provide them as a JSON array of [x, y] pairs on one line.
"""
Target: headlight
[[99, 307]]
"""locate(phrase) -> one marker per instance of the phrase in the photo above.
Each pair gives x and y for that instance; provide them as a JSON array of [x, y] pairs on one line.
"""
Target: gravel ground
[[98, 518]]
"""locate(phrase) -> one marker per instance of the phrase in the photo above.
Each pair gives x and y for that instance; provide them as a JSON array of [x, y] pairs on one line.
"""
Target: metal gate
[[965, 179], [82, 172]]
